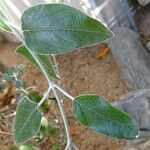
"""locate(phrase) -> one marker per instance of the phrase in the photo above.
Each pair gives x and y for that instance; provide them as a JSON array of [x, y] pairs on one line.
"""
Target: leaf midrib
[[102, 116], [51, 70], [61, 30], [27, 120]]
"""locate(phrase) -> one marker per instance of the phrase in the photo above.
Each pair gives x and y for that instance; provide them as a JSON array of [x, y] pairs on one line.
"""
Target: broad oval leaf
[[23, 51], [58, 28], [97, 113], [36, 97], [27, 120]]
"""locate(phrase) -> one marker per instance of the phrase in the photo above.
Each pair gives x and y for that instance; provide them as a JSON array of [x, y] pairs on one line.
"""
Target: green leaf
[[52, 130], [26, 147], [20, 68], [3, 26], [27, 121], [3, 85], [13, 148], [20, 84], [23, 51], [61, 1], [36, 97], [11, 70], [56, 147], [58, 28], [97, 113], [7, 77]]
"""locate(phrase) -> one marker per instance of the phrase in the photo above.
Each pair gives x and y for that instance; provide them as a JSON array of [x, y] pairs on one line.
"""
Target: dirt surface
[[81, 73]]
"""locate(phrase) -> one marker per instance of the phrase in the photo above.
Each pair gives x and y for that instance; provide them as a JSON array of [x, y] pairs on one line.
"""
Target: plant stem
[[6, 133], [15, 31], [63, 92], [51, 86], [69, 140], [15, 76], [56, 68], [44, 97], [24, 91], [7, 109], [10, 115]]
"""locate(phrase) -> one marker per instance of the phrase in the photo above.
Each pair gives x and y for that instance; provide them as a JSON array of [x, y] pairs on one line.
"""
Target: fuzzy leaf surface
[[23, 51], [58, 28], [27, 120], [97, 113]]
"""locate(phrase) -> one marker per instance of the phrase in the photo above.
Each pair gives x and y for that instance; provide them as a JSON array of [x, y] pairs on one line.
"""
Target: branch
[[44, 97], [51, 86], [56, 68], [5, 133], [69, 140], [7, 109], [63, 92]]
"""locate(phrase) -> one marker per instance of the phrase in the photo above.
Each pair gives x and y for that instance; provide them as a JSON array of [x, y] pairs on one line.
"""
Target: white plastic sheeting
[[114, 12], [109, 12], [17, 7]]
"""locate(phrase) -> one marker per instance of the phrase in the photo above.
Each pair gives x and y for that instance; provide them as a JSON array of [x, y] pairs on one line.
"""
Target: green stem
[[44, 97]]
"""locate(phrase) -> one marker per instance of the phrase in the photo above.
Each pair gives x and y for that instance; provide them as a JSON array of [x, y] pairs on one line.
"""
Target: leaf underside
[[58, 28], [27, 121], [97, 113]]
